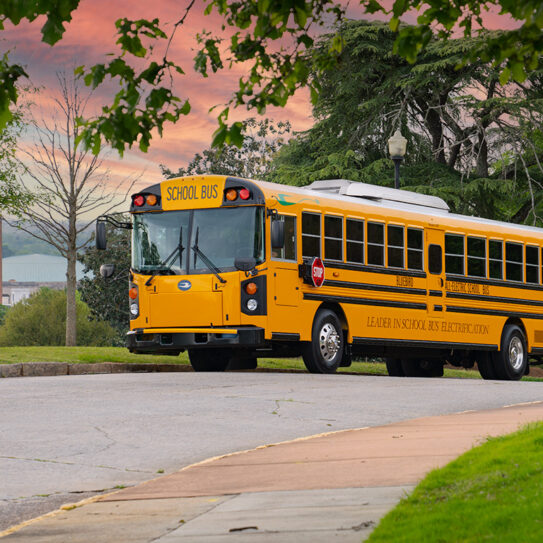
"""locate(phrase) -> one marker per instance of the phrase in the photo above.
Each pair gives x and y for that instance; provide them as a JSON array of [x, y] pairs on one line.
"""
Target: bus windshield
[[160, 241]]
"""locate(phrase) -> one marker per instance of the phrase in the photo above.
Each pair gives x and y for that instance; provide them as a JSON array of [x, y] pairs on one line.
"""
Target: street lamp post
[[397, 145]]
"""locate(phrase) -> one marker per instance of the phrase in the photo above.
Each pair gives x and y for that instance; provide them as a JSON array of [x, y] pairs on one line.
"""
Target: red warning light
[[244, 194], [139, 200]]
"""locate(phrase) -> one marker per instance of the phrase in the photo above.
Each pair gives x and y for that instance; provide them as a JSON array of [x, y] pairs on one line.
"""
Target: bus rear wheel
[[208, 359], [485, 365], [511, 360], [324, 352]]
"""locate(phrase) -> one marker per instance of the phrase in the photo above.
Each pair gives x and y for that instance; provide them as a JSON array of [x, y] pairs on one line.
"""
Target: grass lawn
[[491, 493], [77, 355]]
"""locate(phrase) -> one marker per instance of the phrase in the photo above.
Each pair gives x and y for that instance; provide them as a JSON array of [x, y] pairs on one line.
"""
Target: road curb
[[53, 369]]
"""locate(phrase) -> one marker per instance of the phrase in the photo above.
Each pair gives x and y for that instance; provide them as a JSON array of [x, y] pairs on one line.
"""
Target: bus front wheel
[[511, 360], [208, 359], [324, 352]]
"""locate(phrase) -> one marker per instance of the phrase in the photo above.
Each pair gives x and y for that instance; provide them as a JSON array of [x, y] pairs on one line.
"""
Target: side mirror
[[107, 270], [244, 263], [101, 242], [277, 234]]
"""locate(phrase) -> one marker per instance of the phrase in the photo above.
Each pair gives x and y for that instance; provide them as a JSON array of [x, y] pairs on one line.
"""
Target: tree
[[461, 125], [73, 186], [108, 298], [262, 140], [41, 320], [274, 39], [13, 198]]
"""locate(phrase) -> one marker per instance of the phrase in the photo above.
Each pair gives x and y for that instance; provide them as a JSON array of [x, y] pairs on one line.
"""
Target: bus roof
[[357, 193]]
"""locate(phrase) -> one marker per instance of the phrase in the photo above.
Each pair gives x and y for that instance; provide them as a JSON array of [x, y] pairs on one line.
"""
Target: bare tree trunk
[[71, 315], [73, 184]]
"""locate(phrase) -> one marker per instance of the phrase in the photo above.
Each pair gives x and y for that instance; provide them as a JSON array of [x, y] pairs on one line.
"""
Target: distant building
[[24, 274]]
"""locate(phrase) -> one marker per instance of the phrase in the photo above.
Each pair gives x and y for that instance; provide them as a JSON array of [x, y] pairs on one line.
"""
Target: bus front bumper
[[175, 340]]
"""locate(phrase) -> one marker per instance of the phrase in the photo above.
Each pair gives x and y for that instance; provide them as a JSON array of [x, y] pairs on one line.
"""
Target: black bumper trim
[[149, 342]]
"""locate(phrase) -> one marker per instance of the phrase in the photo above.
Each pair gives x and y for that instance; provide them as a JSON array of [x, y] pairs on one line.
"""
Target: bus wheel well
[[519, 323], [338, 310]]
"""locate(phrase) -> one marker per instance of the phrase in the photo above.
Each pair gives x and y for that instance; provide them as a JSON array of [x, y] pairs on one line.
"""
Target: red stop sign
[[317, 272]]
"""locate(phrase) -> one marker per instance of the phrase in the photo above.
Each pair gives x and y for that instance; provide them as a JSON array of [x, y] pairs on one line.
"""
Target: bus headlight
[[252, 304], [134, 309]]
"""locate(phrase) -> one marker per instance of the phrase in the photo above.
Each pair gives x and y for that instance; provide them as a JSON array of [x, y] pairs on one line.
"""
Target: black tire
[[485, 365], [511, 360], [208, 359], [238, 363], [414, 367], [323, 354], [394, 367]]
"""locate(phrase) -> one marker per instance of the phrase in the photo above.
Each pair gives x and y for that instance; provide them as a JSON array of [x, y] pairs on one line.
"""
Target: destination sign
[[192, 193], [466, 288]]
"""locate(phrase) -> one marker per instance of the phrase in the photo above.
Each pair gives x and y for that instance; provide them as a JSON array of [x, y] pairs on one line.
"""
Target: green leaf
[[394, 23], [219, 136], [517, 70], [234, 136], [505, 76]]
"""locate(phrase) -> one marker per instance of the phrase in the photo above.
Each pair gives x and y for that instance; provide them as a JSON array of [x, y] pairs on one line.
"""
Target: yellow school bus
[[231, 270]]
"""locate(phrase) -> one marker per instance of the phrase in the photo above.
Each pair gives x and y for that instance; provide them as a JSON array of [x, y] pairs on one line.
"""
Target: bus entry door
[[435, 272]]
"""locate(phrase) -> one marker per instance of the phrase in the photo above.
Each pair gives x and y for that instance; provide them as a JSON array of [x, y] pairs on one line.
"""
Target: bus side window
[[311, 234], [435, 259], [333, 238], [477, 257], [355, 241], [376, 244], [395, 246], [414, 249], [532, 264], [495, 259], [513, 261], [288, 251], [454, 254]]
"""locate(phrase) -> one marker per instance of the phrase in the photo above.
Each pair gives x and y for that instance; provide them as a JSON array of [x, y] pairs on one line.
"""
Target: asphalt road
[[63, 438]]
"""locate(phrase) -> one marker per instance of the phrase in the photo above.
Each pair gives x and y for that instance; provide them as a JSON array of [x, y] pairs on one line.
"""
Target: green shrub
[[41, 320], [3, 310]]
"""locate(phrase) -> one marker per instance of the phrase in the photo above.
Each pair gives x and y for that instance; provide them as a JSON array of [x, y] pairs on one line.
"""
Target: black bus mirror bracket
[[107, 270], [277, 234]]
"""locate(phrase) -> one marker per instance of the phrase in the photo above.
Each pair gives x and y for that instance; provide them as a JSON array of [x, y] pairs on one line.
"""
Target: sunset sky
[[91, 35]]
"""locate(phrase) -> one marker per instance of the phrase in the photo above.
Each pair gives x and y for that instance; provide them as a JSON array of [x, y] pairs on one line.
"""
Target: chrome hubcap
[[329, 342], [516, 353]]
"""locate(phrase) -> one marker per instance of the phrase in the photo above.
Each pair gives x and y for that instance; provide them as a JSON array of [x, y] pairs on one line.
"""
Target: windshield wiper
[[166, 266], [210, 266]]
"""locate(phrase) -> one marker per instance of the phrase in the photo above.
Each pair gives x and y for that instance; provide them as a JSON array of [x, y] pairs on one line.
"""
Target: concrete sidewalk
[[329, 487]]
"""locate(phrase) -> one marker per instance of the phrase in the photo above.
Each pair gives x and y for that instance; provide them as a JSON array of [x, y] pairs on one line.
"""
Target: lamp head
[[397, 145]]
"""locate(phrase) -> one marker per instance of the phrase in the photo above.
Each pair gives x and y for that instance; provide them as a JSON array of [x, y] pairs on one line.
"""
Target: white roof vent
[[377, 193]]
